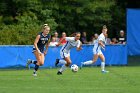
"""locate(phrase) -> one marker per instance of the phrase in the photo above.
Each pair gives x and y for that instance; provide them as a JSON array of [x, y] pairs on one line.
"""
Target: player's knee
[[103, 60], [40, 62], [93, 61], [68, 63]]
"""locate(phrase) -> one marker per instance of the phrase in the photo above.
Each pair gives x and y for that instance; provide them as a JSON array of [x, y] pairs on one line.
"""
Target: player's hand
[[39, 52], [103, 48], [45, 52], [57, 45], [80, 48]]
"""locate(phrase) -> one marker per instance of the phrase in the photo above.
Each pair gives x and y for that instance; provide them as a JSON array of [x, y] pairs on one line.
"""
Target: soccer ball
[[74, 68]]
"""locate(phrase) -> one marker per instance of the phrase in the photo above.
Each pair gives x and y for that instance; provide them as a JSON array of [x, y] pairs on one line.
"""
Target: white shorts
[[97, 50], [64, 54]]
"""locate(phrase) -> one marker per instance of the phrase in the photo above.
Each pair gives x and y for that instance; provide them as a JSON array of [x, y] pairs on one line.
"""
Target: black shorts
[[41, 50]]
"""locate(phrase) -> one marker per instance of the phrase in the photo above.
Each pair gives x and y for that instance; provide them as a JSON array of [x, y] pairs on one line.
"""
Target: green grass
[[124, 79]]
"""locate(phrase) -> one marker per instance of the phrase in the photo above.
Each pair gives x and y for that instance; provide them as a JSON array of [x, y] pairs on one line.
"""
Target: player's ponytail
[[45, 26], [104, 27]]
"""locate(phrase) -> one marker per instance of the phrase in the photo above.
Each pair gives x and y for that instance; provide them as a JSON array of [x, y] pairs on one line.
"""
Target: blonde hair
[[104, 29], [46, 26]]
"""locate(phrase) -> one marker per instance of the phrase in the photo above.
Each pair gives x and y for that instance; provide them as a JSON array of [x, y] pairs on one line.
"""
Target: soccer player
[[42, 40], [99, 44], [65, 51]]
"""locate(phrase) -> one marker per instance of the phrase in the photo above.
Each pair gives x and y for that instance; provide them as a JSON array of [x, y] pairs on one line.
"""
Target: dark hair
[[77, 33]]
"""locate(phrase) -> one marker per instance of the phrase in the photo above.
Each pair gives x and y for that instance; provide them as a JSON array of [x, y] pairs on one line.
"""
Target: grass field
[[125, 79]]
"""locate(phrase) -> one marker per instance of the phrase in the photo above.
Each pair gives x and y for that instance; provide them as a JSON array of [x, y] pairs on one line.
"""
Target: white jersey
[[71, 43], [97, 47]]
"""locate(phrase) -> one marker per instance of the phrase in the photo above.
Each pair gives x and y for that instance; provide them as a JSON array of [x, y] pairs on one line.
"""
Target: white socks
[[91, 62], [62, 68], [62, 61], [103, 66], [88, 62]]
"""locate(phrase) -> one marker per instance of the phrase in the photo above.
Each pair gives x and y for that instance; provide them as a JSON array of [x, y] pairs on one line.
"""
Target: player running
[[40, 42], [65, 51], [99, 44]]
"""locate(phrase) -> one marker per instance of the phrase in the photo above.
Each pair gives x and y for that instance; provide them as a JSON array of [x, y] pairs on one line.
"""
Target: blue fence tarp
[[133, 31], [18, 55]]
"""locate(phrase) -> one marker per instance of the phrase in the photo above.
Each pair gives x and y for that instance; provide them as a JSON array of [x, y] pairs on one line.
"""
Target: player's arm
[[64, 38], [60, 41], [79, 46], [101, 44], [47, 45], [35, 43]]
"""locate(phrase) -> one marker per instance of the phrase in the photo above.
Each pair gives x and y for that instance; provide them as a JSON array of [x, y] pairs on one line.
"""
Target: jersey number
[[43, 42]]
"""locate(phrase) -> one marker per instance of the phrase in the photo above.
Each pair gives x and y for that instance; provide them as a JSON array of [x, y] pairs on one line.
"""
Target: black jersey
[[43, 41]]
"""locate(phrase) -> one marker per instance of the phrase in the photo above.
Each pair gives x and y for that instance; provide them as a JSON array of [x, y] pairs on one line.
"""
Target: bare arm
[[79, 47], [35, 43], [101, 44], [47, 45], [60, 41]]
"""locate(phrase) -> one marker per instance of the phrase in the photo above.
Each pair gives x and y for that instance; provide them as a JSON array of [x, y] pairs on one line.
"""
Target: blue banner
[[133, 31], [12, 56]]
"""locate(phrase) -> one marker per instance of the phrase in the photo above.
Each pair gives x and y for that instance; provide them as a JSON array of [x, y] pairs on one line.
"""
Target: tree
[[24, 22]]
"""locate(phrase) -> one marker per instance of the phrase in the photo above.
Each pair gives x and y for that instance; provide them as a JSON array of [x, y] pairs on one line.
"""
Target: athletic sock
[[62, 68], [62, 61], [34, 62], [36, 67], [103, 66], [88, 62]]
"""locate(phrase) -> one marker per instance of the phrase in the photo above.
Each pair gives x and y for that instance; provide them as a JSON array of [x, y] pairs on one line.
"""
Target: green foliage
[[21, 27], [81, 15], [24, 18]]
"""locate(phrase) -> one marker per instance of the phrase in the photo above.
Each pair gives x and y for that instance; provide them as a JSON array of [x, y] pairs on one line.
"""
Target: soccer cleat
[[56, 62], [34, 74], [105, 71], [81, 65], [29, 61], [59, 73]]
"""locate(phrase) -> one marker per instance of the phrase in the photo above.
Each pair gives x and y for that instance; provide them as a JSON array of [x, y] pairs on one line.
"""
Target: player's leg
[[39, 59], [61, 61], [102, 63], [95, 57], [62, 55], [29, 61], [68, 62]]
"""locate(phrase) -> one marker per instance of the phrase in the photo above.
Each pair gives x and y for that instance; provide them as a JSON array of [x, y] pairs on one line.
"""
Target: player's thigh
[[62, 54], [42, 59], [38, 57], [95, 57], [65, 56], [67, 59], [102, 57]]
